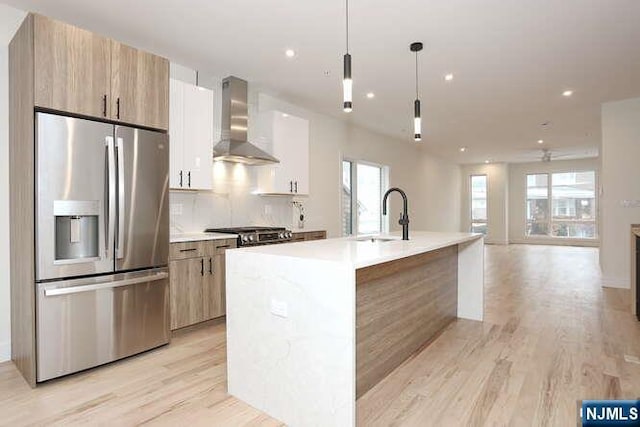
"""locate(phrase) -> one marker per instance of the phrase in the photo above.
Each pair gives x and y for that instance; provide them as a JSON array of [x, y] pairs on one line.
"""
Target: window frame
[[384, 186], [550, 173]]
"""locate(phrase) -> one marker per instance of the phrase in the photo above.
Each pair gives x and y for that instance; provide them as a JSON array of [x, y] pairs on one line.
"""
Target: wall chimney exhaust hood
[[234, 146]]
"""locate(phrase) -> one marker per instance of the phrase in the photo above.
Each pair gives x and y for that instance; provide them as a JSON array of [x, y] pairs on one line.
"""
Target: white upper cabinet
[[287, 138], [191, 110]]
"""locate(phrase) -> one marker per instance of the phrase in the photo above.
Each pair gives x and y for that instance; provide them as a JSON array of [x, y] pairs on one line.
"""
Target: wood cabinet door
[[186, 282], [72, 69], [214, 288], [139, 87]]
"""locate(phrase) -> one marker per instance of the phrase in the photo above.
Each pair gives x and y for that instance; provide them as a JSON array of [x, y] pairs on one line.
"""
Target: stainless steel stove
[[254, 236]]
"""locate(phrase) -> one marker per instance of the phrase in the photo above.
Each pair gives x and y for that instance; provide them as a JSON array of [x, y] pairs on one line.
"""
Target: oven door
[[84, 323]]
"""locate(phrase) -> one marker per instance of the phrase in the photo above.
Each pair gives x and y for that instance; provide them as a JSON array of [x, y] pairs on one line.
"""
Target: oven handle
[[99, 286]]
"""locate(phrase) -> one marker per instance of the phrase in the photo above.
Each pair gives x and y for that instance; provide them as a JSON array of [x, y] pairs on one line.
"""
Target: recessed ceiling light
[[285, 115], [486, 161], [371, 95], [290, 53], [567, 93], [448, 77], [540, 141], [463, 149]]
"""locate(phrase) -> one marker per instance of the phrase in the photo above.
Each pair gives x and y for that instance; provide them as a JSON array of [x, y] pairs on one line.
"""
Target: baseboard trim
[[616, 282], [554, 242], [5, 351]]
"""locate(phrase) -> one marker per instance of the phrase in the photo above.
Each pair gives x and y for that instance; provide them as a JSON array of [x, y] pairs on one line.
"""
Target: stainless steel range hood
[[234, 146]]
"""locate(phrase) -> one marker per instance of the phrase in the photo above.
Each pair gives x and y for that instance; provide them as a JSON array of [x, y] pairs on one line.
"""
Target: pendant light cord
[[347, 19], [417, 75]]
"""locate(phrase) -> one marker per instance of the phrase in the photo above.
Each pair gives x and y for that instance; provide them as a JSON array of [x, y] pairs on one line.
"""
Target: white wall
[[497, 200], [10, 19], [620, 181], [518, 193]]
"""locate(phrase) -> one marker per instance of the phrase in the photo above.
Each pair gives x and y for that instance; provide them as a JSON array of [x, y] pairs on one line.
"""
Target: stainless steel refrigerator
[[102, 243]]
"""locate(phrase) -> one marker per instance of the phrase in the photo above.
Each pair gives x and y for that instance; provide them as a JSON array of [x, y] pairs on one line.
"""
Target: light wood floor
[[551, 336]]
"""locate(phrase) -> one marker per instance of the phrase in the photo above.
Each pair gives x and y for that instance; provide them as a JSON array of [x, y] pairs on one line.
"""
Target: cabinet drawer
[[186, 250], [316, 235], [309, 235], [217, 247]]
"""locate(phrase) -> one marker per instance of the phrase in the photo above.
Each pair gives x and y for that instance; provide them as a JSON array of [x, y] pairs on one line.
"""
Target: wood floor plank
[[551, 336]]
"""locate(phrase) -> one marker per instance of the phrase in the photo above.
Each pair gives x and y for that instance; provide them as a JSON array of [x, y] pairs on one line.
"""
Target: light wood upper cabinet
[[72, 68], [139, 87], [79, 72]]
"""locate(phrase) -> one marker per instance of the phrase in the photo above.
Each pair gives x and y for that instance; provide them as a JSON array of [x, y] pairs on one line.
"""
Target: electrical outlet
[[279, 308]]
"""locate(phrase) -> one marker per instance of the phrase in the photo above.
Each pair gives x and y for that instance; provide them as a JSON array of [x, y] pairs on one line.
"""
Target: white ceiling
[[511, 60]]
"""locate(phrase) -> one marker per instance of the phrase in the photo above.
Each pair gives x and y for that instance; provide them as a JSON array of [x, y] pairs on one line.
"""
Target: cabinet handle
[[296, 186], [210, 266], [118, 108], [290, 186], [180, 178], [104, 105], [223, 247], [189, 178], [202, 266], [188, 250]]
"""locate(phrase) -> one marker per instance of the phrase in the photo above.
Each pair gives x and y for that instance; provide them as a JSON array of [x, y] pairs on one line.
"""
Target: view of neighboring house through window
[[572, 211], [347, 208], [479, 204], [538, 204], [362, 188]]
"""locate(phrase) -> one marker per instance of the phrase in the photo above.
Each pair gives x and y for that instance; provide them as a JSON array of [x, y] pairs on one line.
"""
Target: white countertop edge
[[415, 251], [422, 243], [197, 237]]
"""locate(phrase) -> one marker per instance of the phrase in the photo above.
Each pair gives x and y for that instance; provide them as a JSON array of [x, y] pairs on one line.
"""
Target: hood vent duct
[[234, 146]]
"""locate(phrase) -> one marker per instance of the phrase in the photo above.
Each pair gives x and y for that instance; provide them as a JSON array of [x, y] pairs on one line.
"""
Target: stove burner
[[254, 236]]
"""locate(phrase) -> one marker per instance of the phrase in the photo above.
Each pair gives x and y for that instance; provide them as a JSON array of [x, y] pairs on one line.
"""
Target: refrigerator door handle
[[107, 285], [110, 197], [121, 199]]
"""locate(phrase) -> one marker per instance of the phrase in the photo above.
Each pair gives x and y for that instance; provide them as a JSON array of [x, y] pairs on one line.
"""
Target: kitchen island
[[312, 326]]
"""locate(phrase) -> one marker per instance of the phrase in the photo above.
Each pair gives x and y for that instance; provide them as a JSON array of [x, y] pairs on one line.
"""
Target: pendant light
[[347, 83], [417, 120]]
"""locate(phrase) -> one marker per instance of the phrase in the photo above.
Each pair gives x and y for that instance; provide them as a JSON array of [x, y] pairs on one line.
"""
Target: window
[[479, 204], [363, 185], [572, 211], [538, 204]]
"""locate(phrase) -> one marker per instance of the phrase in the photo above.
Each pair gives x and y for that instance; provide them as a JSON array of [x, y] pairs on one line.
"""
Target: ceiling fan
[[548, 155], [545, 155]]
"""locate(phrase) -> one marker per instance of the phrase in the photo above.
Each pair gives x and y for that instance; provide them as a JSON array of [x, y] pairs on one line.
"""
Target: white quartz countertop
[[196, 237], [358, 253]]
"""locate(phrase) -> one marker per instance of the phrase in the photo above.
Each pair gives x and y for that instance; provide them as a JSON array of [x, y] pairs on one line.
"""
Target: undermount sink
[[375, 239]]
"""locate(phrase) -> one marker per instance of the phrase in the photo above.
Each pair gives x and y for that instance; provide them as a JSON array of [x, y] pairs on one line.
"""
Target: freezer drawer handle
[[98, 286]]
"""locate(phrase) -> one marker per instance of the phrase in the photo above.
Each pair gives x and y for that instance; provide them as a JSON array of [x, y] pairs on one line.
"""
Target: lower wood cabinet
[[197, 283], [308, 235]]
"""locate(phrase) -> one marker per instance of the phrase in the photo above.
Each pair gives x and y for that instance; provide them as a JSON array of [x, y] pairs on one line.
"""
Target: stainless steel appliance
[[255, 236], [102, 243], [234, 146]]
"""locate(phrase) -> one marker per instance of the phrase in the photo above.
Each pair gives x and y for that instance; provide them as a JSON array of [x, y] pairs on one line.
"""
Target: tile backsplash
[[232, 202]]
